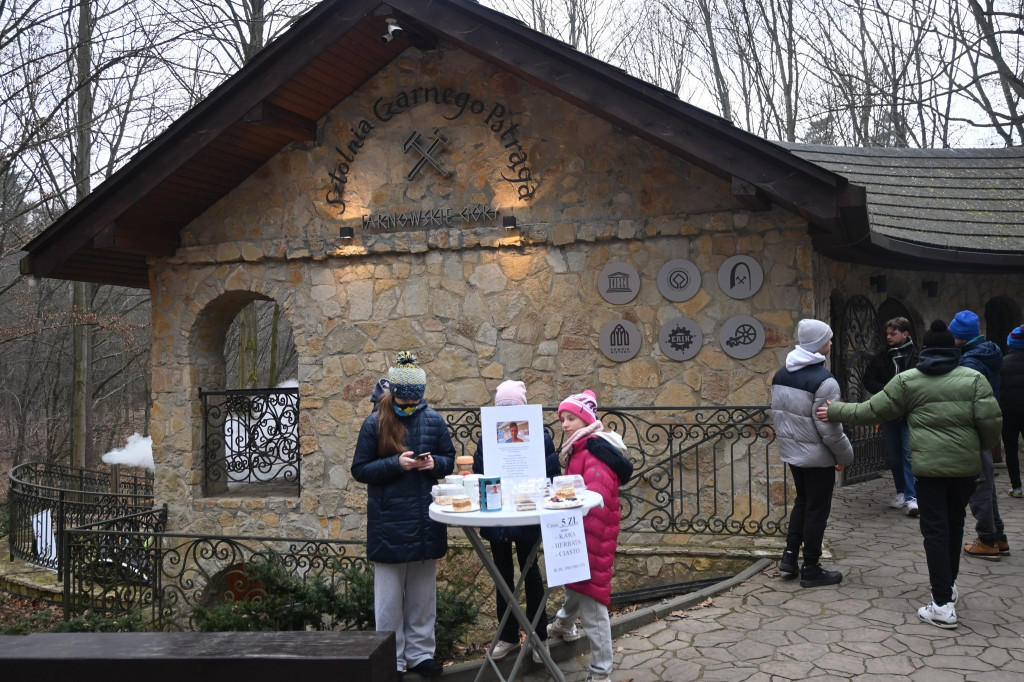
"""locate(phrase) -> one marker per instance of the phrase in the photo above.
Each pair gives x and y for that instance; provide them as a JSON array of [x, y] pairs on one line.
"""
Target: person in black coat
[[1011, 400], [899, 355], [403, 448], [524, 538]]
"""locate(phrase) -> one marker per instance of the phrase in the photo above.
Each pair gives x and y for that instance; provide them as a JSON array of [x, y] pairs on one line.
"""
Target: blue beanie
[[965, 325], [1016, 338]]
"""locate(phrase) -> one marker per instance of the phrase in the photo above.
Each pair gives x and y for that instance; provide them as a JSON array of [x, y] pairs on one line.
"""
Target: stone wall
[[478, 304]]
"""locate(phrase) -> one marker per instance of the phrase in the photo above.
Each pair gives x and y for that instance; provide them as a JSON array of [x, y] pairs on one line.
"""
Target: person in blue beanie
[[1011, 400], [982, 355]]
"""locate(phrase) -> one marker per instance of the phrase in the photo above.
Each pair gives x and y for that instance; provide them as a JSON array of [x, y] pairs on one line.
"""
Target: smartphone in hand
[[422, 456]]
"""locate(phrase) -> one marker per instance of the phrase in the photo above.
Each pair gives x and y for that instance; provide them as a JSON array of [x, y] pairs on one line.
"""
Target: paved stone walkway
[[866, 628]]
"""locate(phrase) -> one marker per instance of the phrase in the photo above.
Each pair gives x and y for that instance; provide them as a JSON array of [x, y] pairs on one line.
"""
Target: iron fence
[[46, 499], [250, 436], [696, 469]]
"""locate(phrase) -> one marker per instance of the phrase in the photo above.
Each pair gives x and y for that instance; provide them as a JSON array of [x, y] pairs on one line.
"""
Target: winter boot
[[813, 575]]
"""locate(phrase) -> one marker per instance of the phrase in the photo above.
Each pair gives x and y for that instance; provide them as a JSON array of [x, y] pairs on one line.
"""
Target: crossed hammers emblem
[[440, 137]]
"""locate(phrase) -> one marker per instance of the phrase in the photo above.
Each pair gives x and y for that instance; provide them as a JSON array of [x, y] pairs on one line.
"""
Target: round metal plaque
[[680, 338], [742, 337], [619, 340], [740, 277], [679, 280], [618, 283]]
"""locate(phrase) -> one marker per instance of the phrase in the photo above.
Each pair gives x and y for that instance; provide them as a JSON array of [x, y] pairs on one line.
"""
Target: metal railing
[[47, 499], [696, 469], [250, 436]]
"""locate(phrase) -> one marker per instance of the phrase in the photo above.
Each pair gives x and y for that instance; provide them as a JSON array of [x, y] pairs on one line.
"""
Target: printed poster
[[513, 441], [565, 547]]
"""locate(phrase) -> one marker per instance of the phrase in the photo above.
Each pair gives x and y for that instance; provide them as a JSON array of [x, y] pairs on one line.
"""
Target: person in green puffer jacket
[[953, 415]]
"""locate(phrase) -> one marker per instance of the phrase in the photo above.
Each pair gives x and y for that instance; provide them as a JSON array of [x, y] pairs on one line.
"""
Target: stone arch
[[894, 307], [1002, 314], [206, 328]]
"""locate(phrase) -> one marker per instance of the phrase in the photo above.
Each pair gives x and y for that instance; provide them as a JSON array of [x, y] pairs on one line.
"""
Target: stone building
[[481, 194]]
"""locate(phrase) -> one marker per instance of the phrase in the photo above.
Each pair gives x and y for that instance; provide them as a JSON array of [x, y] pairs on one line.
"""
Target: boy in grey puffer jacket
[[814, 450]]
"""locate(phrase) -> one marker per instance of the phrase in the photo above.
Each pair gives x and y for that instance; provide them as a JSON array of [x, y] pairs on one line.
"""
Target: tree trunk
[[81, 408]]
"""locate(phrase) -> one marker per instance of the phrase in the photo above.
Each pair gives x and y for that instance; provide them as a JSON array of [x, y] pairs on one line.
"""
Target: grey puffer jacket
[[798, 389]]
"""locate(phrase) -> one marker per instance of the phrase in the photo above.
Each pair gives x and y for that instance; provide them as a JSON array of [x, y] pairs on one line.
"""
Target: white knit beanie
[[812, 335]]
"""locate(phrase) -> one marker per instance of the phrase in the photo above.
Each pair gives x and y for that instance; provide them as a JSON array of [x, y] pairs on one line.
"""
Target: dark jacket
[[985, 357], [951, 412], [524, 534], [398, 525], [1011, 376], [887, 363]]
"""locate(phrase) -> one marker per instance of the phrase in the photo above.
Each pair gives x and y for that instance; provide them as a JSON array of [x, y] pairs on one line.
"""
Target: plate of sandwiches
[[564, 498], [458, 504]]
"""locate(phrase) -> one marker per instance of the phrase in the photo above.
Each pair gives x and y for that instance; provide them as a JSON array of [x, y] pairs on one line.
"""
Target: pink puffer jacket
[[601, 524]]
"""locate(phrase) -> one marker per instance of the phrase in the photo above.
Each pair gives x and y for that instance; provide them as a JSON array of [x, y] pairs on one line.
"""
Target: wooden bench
[[196, 656]]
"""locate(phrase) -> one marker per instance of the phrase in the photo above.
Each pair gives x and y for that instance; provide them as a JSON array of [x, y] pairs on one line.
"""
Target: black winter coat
[[523, 534], [399, 528], [887, 363], [1011, 394]]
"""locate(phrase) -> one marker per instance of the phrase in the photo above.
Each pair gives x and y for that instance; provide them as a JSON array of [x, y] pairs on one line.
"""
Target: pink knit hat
[[510, 393], [583, 405]]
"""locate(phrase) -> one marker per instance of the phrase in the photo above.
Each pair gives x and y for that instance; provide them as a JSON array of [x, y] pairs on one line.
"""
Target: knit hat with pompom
[[938, 336], [407, 378], [583, 405]]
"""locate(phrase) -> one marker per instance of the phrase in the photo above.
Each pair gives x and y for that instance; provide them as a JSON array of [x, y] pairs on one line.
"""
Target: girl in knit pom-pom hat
[[598, 456], [402, 541]]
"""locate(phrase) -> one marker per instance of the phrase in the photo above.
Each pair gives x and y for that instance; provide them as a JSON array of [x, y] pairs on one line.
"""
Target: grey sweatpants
[[405, 602], [598, 627]]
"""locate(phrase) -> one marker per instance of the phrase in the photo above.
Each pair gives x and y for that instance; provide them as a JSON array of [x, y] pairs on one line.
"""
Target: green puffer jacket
[[951, 411]]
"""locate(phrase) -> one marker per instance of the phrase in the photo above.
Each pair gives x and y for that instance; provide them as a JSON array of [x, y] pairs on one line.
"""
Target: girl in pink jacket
[[599, 457]]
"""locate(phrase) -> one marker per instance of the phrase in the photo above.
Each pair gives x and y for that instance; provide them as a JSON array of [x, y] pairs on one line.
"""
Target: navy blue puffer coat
[[399, 528]]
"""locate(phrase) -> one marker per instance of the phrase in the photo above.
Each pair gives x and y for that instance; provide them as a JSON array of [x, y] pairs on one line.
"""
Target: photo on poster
[[513, 441]]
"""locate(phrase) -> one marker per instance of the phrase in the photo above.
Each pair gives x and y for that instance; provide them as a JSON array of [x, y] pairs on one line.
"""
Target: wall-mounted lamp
[[931, 286], [346, 232], [878, 282], [508, 222]]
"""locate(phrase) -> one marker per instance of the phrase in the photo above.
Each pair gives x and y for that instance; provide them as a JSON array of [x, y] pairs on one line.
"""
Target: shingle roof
[[921, 201]]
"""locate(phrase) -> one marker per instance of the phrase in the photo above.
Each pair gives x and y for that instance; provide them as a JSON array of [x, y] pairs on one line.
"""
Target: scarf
[[586, 431]]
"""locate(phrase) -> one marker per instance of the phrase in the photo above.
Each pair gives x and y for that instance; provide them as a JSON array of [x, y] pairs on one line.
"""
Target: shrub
[[346, 601]]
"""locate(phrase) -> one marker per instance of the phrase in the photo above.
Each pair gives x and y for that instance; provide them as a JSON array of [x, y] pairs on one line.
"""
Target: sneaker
[[594, 677], [912, 509], [956, 594], [535, 652], [787, 565], [427, 668], [941, 616], [979, 549], [898, 502], [815, 576], [567, 633], [1015, 492], [502, 649], [1003, 546]]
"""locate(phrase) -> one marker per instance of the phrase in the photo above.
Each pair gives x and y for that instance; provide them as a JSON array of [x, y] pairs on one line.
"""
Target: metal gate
[[858, 341]]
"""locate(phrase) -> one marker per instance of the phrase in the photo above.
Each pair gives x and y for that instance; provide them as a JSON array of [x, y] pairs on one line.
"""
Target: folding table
[[469, 522]]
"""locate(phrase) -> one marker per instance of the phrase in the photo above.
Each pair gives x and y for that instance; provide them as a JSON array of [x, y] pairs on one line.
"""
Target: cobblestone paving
[[866, 628]]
